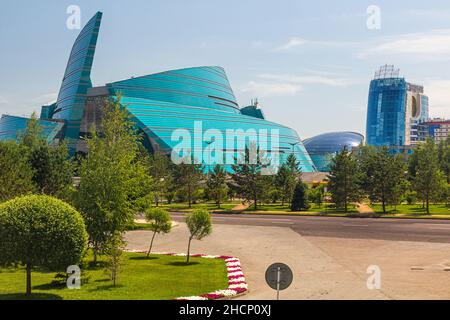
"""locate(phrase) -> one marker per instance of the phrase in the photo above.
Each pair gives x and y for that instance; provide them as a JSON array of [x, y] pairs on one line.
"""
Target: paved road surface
[[423, 230]]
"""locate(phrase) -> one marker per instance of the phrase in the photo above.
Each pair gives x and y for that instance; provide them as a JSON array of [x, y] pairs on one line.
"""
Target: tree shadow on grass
[[33, 296], [95, 266], [51, 286], [182, 264], [106, 287], [419, 211], [144, 258]]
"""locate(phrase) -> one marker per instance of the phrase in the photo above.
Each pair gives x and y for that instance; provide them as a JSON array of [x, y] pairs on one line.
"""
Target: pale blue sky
[[309, 62]]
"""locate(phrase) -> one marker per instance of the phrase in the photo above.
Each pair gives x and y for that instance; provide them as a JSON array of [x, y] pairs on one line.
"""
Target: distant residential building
[[395, 110], [438, 129]]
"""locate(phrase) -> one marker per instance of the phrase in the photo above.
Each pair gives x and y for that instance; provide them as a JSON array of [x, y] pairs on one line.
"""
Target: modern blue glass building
[[395, 108], [76, 82], [324, 147], [198, 101], [12, 127]]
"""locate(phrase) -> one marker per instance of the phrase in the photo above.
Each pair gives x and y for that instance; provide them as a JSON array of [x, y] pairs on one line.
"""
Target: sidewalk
[[316, 274], [241, 207], [364, 209]]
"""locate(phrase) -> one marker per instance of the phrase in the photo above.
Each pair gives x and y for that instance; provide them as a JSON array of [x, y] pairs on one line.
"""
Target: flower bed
[[236, 278]]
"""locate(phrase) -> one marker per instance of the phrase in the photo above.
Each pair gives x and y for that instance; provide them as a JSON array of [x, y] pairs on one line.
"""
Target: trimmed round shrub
[[41, 231]]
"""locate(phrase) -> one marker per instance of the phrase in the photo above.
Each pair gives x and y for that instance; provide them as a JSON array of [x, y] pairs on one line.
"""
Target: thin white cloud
[[3, 100], [292, 43], [269, 84], [423, 46], [328, 80], [439, 93], [266, 89], [427, 45]]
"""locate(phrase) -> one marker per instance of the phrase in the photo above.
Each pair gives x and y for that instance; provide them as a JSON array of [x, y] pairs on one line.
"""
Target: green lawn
[[413, 210], [157, 278], [277, 208], [184, 207]]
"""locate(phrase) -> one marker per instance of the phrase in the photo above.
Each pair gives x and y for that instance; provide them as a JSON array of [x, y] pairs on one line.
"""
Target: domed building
[[323, 148]]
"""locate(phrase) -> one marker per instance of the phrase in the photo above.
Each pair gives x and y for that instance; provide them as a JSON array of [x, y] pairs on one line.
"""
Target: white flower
[[235, 286], [237, 273], [225, 293], [192, 298], [231, 269], [135, 251], [233, 264], [241, 279]]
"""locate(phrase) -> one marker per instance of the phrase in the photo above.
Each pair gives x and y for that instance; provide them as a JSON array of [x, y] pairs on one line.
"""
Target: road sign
[[279, 277]]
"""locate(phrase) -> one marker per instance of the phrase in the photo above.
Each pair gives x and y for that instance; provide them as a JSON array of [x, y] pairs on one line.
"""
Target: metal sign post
[[278, 282], [279, 277]]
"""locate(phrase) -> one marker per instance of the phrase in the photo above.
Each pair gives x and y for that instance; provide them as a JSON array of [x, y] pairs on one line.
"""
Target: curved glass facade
[[199, 101], [77, 81], [194, 97], [323, 148], [12, 127]]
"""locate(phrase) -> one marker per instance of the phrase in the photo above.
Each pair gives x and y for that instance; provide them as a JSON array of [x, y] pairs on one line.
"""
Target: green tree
[[40, 231], [300, 198], [444, 157], [412, 166], [53, 171], [52, 168], [16, 175], [384, 175], [345, 180], [161, 173], [429, 181], [411, 197], [199, 225], [247, 176], [216, 184], [114, 180], [285, 183], [316, 195], [32, 135], [292, 164], [114, 251], [160, 222], [188, 177]]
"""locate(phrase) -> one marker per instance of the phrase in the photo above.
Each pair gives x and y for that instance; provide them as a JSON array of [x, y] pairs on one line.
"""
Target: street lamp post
[[293, 145]]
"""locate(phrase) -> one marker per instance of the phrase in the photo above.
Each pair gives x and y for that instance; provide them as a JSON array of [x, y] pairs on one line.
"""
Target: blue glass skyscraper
[[395, 107]]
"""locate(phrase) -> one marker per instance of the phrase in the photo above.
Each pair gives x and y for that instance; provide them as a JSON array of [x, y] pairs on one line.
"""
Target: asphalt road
[[423, 230]]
